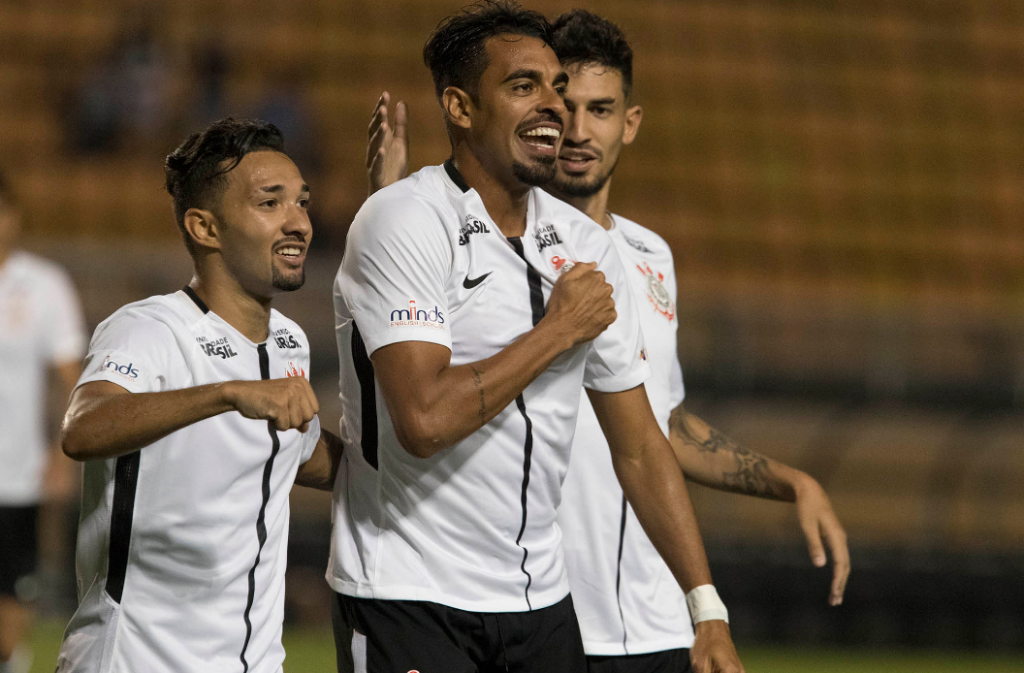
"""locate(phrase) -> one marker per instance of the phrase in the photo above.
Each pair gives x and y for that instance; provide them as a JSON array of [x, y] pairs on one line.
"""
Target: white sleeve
[[398, 258], [65, 330], [134, 351], [310, 439], [617, 358], [676, 389]]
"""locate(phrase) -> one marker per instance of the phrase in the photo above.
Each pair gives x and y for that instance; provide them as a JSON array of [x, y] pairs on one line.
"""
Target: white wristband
[[705, 604]]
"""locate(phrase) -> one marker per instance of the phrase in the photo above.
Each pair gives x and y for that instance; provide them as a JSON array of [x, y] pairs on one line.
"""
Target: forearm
[[113, 425], [321, 469], [708, 457], [655, 488], [464, 398]]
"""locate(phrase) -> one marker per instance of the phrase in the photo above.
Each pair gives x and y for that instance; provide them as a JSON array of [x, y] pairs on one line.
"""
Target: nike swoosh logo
[[470, 283]]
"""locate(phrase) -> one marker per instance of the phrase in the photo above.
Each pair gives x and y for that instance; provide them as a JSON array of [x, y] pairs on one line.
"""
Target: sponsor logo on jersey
[[637, 244], [470, 283], [417, 317], [546, 236], [472, 226], [216, 347], [656, 292], [127, 372], [561, 264], [292, 372], [284, 340]]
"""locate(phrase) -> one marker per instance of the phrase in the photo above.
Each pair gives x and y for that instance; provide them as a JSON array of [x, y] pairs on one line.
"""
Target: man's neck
[[505, 203], [225, 297], [595, 206]]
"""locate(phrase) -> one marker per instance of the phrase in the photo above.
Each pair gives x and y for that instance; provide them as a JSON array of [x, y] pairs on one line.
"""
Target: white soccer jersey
[[626, 598], [473, 526], [42, 326], [182, 544]]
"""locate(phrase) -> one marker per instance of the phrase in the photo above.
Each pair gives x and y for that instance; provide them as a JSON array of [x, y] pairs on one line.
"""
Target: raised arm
[[387, 148], [434, 405], [708, 457], [104, 420], [655, 487]]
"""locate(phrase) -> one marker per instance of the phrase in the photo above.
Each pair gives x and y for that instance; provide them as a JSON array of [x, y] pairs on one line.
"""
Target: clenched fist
[[581, 303], [287, 403]]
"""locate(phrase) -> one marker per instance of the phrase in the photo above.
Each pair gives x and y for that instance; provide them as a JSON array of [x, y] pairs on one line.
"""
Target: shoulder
[[157, 316], [641, 239], [419, 198]]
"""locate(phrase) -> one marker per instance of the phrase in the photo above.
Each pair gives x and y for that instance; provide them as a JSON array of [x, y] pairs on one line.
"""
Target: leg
[[342, 637], [18, 560], [547, 639]]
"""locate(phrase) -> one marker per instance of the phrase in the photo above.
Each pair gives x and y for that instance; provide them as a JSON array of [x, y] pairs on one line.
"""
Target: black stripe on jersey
[[126, 481], [532, 280], [261, 521], [453, 173], [618, 570], [527, 458], [367, 396], [537, 304], [195, 297]]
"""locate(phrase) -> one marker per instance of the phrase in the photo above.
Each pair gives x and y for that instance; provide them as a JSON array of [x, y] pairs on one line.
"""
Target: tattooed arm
[[708, 457]]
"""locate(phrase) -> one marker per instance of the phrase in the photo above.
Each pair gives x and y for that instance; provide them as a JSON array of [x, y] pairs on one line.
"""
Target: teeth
[[543, 131], [290, 251]]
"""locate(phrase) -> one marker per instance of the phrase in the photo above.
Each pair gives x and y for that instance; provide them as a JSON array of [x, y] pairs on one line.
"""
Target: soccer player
[[194, 417], [43, 330], [632, 615], [470, 314]]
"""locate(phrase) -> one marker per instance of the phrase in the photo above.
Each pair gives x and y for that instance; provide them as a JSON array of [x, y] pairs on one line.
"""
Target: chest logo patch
[[637, 244], [293, 372], [216, 348], [561, 264], [546, 236], [656, 292], [472, 226]]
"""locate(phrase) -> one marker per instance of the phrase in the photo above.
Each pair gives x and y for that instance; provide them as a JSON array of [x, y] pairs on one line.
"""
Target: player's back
[[182, 544]]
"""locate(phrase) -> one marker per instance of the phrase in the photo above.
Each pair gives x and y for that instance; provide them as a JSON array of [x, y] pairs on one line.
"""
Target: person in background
[[42, 334]]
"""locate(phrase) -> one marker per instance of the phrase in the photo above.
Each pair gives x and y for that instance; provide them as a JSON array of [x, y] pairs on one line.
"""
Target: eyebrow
[[602, 101], [561, 78], [273, 189], [523, 73]]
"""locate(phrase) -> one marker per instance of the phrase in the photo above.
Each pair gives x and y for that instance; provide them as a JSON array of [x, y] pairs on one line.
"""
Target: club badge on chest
[[657, 294]]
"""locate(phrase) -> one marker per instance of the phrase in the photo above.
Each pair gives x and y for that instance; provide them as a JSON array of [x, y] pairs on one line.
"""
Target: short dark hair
[[455, 53], [583, 38], [196, 170]]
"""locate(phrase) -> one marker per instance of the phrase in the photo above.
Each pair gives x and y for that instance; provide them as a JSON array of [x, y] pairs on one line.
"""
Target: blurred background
[[841, 182]]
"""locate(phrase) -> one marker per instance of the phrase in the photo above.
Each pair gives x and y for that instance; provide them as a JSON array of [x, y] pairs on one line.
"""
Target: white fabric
[[42, 326], [705, 604], [445, 529], [193, 539], [648, 612]]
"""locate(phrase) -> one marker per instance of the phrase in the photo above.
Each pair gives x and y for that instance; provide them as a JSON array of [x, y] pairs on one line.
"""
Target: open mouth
[[576, 161], [292, 254], [541, 138]]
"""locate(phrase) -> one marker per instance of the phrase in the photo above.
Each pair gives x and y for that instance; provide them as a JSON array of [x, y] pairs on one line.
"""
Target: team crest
[[293, 372], [656, 292]]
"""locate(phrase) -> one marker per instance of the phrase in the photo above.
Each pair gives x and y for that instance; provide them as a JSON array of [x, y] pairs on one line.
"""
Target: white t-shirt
[[626, 598], [182, 544], [42, 326], [473, 526]]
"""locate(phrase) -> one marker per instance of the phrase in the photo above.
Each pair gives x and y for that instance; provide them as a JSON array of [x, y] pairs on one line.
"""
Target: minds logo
[[127, 372], [417, 317]]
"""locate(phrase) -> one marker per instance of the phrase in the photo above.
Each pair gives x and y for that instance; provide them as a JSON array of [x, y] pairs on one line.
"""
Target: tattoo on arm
[[753, 474], [478, 380]]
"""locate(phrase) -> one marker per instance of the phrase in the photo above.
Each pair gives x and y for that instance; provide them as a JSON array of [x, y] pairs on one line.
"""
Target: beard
[[536, 174], [287, 282], [580, 186]]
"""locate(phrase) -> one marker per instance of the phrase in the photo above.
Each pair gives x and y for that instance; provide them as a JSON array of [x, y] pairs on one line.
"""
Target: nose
[[552, 103], [298, 223], [573, 131]]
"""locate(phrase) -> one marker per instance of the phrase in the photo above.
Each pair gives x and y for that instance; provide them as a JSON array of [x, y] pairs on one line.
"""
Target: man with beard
[[633, 616], [194, 418], [469, 316]]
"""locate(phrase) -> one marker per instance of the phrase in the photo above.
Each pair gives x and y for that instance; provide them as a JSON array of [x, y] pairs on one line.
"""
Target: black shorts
[[19, 551], [406, 636], [669, 661]]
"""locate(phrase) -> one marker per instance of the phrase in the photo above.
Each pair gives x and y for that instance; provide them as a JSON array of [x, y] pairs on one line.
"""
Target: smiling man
[[471, 309], [194, 418]]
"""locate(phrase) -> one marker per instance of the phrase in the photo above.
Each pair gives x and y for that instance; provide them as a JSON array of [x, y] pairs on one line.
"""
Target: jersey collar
[[455, 176]]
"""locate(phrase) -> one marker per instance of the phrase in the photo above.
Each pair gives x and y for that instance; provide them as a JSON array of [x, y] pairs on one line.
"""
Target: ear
[[633, 116], [203, 227], [458, 107]]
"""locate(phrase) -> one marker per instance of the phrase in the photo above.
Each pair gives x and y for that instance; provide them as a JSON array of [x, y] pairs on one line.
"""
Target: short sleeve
[[398, 258], [676, 390], [310, 439], [617, 358], [136, 352], [64, 329]]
